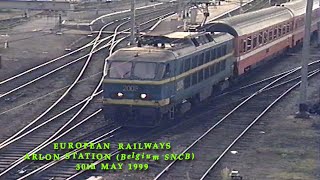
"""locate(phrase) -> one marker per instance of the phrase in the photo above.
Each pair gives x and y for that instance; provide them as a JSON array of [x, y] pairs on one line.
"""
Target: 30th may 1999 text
[[114, 162]]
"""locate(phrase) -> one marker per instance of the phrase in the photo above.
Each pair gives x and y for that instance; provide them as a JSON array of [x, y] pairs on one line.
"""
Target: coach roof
[[251, 22]]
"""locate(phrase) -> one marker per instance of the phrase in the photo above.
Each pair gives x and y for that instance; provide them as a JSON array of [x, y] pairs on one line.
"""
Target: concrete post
[[319, 30], [98, 6], [318, 34], [6, 44], [26, 13], [133, 23], [303, 107]]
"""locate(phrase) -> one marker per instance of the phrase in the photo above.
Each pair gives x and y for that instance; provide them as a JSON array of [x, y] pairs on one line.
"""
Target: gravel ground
[[281, 147]]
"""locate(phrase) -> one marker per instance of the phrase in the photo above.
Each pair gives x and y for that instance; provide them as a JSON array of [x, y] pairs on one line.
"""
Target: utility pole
[[133, 23], [180, 9], [303, 107], [318, 25]]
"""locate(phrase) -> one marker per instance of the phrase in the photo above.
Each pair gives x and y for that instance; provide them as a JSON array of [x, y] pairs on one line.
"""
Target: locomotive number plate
[[130, 88]]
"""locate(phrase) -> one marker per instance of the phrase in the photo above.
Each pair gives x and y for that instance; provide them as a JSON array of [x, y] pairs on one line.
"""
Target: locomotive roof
[[142, 54], [176, 45]]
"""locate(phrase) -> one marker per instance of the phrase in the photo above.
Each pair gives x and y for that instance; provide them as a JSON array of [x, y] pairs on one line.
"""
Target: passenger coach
[[261, 35]]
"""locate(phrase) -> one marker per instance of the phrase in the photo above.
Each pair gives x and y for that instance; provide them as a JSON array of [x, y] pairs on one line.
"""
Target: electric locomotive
[[162, 78]]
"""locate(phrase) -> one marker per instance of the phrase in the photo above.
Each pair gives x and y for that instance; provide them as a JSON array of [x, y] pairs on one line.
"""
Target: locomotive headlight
[[120, 94], [143, 96]]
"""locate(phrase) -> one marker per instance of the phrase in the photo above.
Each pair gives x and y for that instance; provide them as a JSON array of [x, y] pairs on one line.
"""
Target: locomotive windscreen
[[128, 70]]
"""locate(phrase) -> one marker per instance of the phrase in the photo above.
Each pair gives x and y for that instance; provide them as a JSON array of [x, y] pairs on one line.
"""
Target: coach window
[[213, 54], [206, 73], [187, 64], [194, 78], [284, 29], [265, 37], [248, 43], [270, 34], [288, 27], [260, 38], [243, 45], [194, 61], [212, 70], [200, 75], [186, 82], [254, 41], [207, 56], [201, 59], [275, 32], [279, 31]]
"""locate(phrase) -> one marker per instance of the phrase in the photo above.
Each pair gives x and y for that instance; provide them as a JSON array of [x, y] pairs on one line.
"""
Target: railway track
[[44, 144], [56, 128], [250, 88], [228, 128], [13, 90]]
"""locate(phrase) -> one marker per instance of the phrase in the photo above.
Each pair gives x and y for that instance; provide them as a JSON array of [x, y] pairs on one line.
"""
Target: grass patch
[[290, 176]]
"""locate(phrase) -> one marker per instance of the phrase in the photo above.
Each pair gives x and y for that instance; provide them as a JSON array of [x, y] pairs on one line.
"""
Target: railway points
[[275, 137]]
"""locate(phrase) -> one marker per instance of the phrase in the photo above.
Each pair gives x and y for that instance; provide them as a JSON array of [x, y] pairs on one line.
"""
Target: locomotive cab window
[[167, 71], [120, 69], [145, 70]]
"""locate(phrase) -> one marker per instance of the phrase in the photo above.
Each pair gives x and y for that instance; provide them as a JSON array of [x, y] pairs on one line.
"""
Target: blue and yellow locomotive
[[165, 75]]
